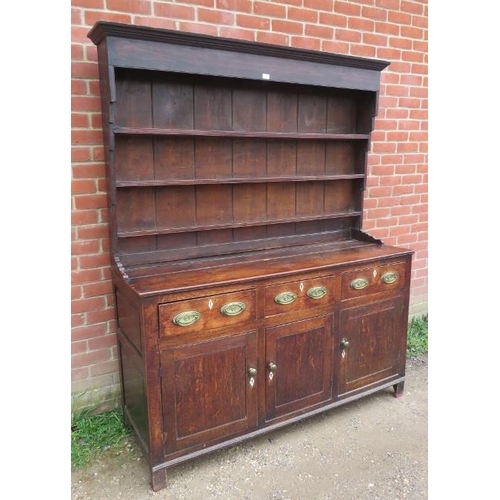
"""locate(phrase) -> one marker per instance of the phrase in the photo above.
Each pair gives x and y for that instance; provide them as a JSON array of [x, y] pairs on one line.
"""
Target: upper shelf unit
[[213, 143]]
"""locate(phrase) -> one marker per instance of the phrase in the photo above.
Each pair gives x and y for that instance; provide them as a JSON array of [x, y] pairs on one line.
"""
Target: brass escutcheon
[[359, 283], [285, 298], [316, 292], [233, 308], [389, 277], [186, 318]]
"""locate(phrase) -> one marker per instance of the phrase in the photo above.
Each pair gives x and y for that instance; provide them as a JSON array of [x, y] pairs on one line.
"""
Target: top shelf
[[236, 133]]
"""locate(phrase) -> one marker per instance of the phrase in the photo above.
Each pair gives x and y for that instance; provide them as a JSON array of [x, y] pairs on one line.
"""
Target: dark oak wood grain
[[247, 294]]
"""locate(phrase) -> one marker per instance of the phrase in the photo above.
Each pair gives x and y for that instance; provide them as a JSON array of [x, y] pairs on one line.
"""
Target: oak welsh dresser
[[247, 295]]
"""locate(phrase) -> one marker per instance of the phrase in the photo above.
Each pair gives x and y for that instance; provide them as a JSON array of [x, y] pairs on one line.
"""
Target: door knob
[[252, 373], [344, 343]]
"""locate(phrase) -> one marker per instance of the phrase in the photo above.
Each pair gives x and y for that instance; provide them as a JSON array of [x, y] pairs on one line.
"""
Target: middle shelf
[[158, 131], [153, 160], [176, 209], [234, 180]]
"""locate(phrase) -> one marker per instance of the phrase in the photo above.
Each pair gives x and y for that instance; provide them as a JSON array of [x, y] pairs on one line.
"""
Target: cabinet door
[[298, 366], [209, 390], [372, 344]]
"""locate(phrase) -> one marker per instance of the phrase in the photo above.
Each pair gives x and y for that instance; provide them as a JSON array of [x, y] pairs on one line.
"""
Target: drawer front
[[206, 313], [373, 279], [298, 295]]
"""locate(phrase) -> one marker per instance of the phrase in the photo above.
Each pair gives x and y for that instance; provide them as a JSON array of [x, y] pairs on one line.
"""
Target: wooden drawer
[[206, 313], [298, 295], [373, 279]]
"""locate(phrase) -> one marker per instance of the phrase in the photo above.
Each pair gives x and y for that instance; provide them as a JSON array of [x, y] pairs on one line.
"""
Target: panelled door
[[371, 344], [209, 390], [298, 366]]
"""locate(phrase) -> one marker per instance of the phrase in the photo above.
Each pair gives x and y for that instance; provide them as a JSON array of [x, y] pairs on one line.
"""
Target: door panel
[[207, 390], [372, 346], [298, 366]]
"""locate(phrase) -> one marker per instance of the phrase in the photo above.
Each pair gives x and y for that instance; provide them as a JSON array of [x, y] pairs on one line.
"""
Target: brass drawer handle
[[186, 318], [316, 292], [359, 283], [389, 277], [233, 308], [285, 298]]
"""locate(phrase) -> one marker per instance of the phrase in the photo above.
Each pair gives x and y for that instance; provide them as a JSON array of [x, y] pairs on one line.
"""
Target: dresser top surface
[[253, 266]]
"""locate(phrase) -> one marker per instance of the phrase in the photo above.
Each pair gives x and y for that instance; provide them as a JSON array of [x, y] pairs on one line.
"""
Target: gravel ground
[[374, 448]]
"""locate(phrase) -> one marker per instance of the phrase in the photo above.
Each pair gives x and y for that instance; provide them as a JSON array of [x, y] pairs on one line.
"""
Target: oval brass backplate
[[389, 277], [186, 318], [285, 298], [233, 308], [316, 292], [359, 283]]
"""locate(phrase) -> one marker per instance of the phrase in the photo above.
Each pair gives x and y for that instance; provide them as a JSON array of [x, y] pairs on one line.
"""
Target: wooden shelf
[[237, 133], [239, 250], [234, 180], [232, 225]]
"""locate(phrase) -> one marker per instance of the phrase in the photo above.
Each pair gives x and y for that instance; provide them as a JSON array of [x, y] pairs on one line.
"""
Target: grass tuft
[[91, 434], [417, 342]]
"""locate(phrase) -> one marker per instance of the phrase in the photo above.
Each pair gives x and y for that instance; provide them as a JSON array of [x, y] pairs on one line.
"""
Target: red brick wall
[[396, 198]]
